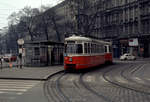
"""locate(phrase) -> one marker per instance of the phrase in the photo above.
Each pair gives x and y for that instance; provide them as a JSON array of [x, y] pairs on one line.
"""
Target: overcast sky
[[9, 6]]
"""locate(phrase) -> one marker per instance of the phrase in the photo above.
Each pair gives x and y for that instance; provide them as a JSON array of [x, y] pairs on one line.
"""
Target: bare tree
[[84, 13], [25, 19], [28, 16], [49, 22]]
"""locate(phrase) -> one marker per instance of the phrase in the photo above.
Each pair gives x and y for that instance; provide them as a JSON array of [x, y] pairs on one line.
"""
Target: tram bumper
[[70, 66]]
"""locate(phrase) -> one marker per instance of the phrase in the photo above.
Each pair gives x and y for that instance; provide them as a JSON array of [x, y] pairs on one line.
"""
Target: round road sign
[[20, 41]]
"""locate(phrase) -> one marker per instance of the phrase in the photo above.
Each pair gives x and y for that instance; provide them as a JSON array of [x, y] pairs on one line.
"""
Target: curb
[[35, 79]]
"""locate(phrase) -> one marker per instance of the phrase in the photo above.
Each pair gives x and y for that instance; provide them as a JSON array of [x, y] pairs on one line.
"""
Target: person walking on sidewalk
[[1, 62], [20, 60]]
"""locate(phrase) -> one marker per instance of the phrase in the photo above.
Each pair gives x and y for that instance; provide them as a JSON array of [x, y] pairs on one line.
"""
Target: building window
[[36, 51]]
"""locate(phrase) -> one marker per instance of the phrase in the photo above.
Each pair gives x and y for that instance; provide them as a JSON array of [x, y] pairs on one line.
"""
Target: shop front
[[124, 46], [116, 48], [145, 46], [43, 53]]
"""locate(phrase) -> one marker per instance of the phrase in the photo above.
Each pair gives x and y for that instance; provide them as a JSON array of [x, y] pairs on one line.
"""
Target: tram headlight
[[70, 59]]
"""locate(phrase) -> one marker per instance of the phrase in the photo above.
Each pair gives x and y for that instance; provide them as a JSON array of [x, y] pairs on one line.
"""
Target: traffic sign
[[20, 41]]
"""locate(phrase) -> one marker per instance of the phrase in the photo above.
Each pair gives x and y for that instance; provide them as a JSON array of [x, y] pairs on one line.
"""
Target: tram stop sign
[[20, 41]]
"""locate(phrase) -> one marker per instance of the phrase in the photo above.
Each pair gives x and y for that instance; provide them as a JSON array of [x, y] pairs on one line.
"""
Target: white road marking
[[10, 92], [17, 84], [71, 79], [137, 78], [20, 90], [90, 79], [17, 87], [121, 80]]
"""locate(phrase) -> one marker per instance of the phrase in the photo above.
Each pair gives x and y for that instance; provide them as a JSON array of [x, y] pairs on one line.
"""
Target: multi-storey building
[[125, 22]]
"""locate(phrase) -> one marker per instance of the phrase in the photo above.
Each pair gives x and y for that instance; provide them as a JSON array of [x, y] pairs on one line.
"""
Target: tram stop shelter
[[43, 53]]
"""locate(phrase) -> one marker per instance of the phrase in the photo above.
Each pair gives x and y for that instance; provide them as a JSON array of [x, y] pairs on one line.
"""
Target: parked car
[[127, 56], [9, 57]]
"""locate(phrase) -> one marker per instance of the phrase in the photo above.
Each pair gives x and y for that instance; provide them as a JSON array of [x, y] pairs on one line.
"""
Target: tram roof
[[86, 39], [77, 38]]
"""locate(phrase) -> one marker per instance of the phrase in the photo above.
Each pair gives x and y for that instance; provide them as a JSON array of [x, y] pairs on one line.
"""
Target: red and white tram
[[83, 52]]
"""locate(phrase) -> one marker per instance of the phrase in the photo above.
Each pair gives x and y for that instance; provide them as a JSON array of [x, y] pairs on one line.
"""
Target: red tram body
[[83, 52]]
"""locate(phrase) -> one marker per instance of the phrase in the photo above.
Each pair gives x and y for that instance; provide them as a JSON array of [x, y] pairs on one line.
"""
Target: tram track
[[76, 91], [141, 86], [52, 88], [57, 89], [106, 99], [74, 87], [108, 79], [113, 90], [99, 88]]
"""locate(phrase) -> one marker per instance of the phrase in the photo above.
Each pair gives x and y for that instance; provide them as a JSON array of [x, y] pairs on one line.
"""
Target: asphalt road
[[124, 81], [21, 91]]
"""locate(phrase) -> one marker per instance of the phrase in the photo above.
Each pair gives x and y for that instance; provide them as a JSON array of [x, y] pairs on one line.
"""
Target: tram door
[[107, 49]]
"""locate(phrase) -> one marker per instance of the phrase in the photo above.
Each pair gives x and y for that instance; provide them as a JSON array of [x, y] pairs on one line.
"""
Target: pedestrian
[[20, 60], [1, 62], [10, 63], [17, 61]]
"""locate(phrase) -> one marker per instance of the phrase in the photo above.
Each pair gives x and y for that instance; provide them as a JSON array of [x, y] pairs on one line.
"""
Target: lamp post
[[20, 43]]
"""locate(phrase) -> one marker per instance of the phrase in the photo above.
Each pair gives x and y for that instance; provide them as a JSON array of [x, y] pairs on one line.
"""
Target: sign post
[[20, 43], [133, 42]]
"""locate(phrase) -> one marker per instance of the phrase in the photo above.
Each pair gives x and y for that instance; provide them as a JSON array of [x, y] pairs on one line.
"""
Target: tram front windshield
[[73, 48]]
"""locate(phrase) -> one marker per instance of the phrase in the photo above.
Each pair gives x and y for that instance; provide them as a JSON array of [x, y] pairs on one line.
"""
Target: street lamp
[[20, 43]]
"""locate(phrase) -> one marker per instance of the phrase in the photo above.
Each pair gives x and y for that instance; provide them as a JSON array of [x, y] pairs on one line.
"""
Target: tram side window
[[89, 48], [79, 48], [97, 48], [94, 45], [86, 47], [110, 49], [101, 49], [106, 49], [92, 48]]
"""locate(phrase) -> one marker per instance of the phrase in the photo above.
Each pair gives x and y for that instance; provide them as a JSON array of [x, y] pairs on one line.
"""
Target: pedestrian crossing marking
[[17, 87], [23, 90]]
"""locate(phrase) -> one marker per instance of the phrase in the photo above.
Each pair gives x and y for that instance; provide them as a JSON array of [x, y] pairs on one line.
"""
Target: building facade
[[123, 21], [43, 53]]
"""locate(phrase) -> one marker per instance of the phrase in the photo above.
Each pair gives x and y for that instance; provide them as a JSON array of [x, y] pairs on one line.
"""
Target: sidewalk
[[29, 73]]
